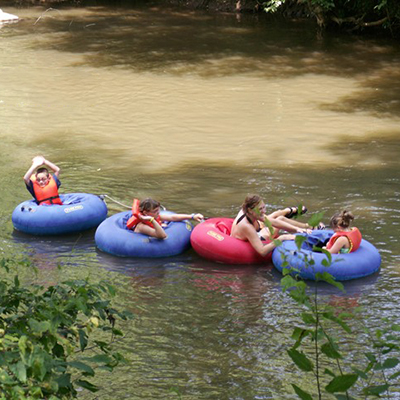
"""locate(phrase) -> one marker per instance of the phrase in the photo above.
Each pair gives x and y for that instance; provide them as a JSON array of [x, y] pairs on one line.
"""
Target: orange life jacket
[[47, 194], [354, 237], [135, 220]]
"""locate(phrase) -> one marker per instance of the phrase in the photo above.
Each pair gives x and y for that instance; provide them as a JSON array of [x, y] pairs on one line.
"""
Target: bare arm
[[182, 217], [338, 245], [37, 162], [258, 245], [157, 231], [56, 170]]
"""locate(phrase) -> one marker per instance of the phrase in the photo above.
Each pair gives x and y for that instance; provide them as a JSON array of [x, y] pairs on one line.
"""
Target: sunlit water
[[197, 111]]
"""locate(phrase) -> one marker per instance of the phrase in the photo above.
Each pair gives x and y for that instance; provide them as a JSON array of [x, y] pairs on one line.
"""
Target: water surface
[[198, 110]]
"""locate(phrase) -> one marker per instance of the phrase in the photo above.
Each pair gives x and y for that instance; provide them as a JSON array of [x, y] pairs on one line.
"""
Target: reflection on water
[[198, 110]]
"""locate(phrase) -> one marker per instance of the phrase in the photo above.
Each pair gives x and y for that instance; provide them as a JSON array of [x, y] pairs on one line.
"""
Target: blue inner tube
[[79, 212], [113, 237], [364, 261]]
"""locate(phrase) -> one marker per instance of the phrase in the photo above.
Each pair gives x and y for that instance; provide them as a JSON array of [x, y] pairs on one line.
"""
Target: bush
[[46, 335]]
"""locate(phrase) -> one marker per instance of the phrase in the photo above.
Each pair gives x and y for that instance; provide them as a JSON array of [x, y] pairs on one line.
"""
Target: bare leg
[[280, 213], [294, 222]]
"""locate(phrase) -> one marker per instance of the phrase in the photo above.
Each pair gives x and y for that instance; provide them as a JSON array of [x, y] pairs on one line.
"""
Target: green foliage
[[272, 6], [316, 333], [44, 333], [354, 14]]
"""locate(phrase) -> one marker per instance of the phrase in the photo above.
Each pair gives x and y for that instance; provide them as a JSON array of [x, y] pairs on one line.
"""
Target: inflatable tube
[[211, 239], [79, 212], [364, 261], [113, 237]]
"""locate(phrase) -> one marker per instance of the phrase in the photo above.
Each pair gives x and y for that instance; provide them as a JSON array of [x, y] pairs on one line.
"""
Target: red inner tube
[[211, 239]]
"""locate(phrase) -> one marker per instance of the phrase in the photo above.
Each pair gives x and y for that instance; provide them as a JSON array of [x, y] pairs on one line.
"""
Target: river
[[198, 110]]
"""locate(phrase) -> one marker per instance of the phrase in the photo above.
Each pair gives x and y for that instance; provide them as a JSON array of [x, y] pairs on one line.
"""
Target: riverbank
[[345, 19]]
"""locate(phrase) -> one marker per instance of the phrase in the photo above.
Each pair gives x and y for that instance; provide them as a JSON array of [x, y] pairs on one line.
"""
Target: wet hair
[[148, 204], [251, 202], [42, 171], [341, 219]]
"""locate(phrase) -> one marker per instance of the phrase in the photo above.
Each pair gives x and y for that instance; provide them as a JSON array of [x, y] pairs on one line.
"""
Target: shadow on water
[[51, 252], [382, 148], [156, 40]]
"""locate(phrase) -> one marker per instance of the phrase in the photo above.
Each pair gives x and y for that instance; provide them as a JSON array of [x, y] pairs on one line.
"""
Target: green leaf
[[82, 339], [316, 218], [395, 328], [376, 390], [328, 255], [341, 383], [100, 358], [87, 385], [329, 372], [371, 357], [288, 282], [360, 373], [301, 360], [387, 364], [271, 229], [299, 240], [64, 380], [301, 393], [82, 367], [299, 334], [327, 277], [344, 397], [19, 370], [339, 321], [39, 327], [38, 366], [23, 344], [395, 375], [308, 318], [330, 351]]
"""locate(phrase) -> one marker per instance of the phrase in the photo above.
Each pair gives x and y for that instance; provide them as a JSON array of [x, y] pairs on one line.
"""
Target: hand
[[287, 236], [198, 217], [145, 217], [38, 161], [304, 230]]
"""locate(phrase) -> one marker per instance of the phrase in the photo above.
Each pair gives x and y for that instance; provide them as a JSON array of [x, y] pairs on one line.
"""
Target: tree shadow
[[381, 148], [166, 41]]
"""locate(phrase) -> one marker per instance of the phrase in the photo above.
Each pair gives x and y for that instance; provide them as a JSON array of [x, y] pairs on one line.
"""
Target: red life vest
[[135, 220], [354, 237], [47, 194]]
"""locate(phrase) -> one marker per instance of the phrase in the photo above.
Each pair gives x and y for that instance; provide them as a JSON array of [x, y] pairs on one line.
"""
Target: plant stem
[[316, 342]]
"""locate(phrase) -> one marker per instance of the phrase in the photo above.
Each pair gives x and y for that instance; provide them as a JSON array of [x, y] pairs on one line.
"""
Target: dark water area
[[199, 110]]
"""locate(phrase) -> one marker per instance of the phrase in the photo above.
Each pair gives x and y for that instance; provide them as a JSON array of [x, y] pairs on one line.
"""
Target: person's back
[[345, 239]]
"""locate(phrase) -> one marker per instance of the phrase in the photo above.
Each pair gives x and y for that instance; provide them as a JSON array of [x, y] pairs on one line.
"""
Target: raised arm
[[56, 170], [36, 163]]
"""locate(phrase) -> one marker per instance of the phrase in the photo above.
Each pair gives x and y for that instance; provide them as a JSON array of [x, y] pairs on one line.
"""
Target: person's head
[[341, 220], [42, 177], [150, 207], [254, 206]]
